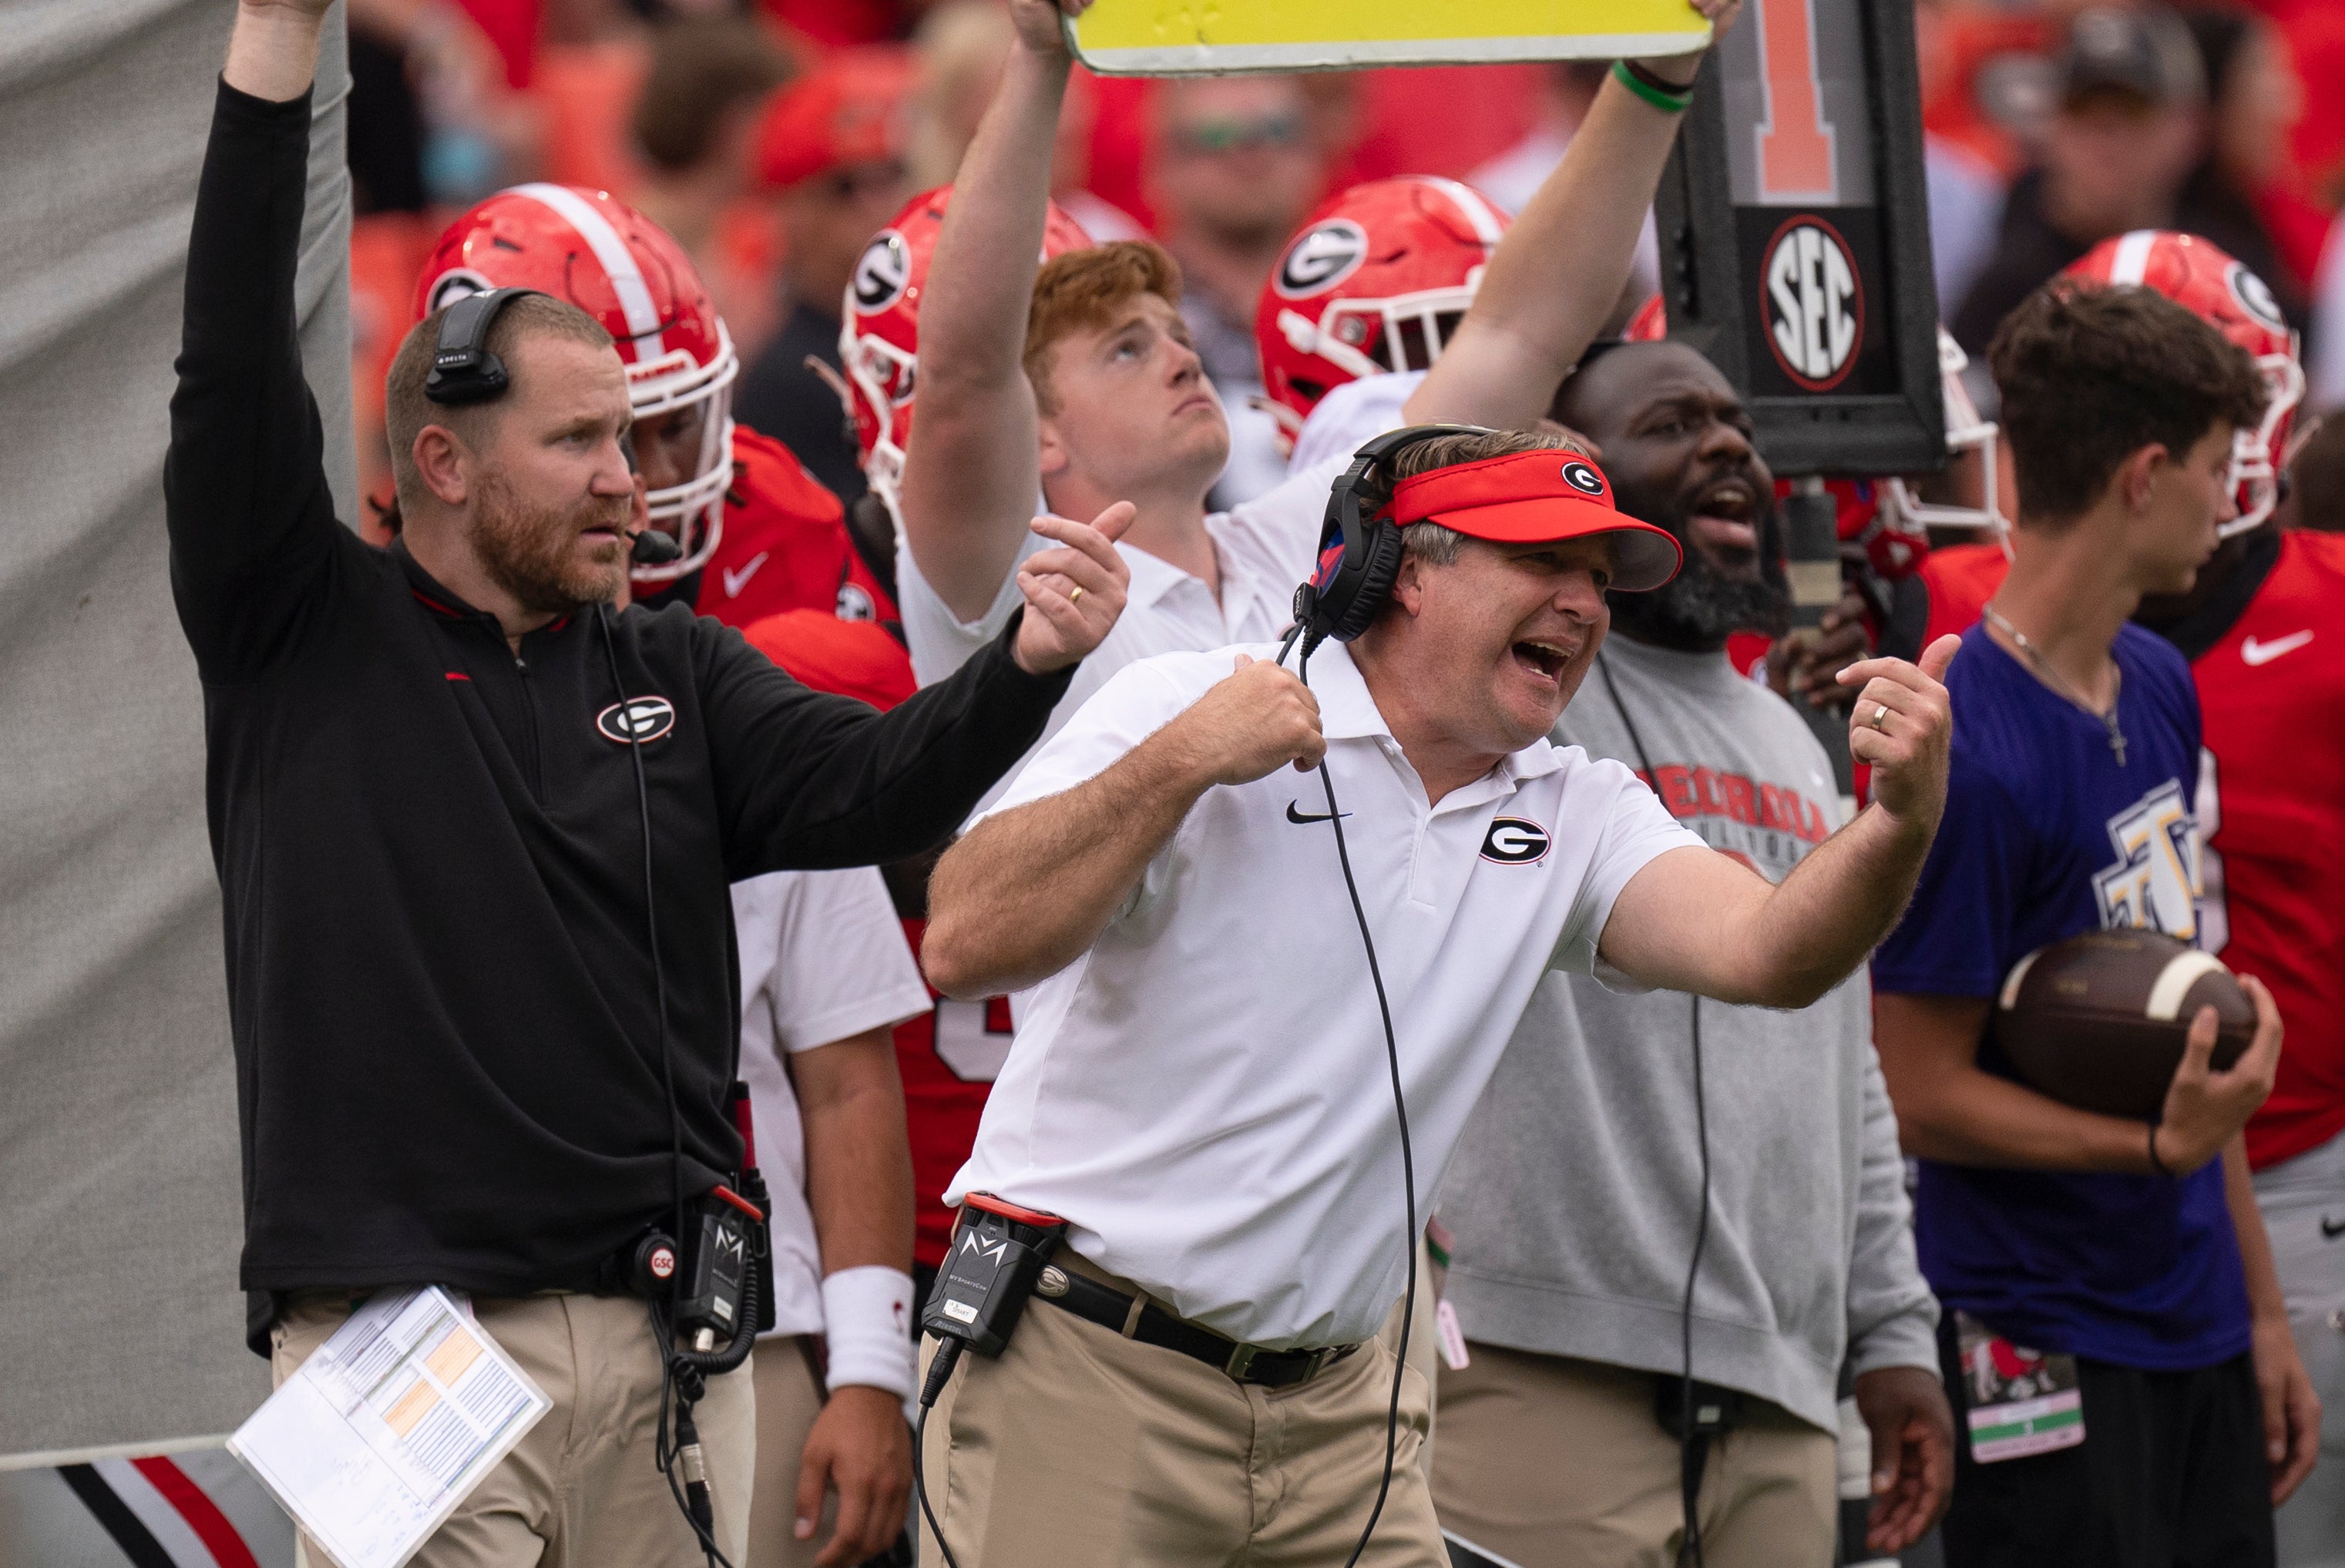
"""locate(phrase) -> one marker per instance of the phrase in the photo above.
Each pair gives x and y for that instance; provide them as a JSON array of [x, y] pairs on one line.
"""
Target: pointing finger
[[1110, 525], [1083, 537]]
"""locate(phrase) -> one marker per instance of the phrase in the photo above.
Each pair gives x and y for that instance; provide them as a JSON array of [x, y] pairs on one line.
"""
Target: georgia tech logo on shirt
[[637, 719], [1515, 841], [1322, 257], [882, 270], [1583, 479], [1814, 305]]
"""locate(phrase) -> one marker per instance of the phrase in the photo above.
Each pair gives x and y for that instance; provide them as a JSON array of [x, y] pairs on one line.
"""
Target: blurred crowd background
[[773, 136]]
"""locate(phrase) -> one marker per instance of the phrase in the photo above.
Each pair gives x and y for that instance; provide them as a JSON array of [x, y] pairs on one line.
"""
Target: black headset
[[1344, 598], [462, 369]]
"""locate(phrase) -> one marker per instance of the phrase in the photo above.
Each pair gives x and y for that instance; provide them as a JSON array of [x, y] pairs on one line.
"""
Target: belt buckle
[[1240, 1366]]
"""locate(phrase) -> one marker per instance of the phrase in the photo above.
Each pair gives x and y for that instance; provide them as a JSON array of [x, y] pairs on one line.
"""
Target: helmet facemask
[[694, 511], [1965, 431]]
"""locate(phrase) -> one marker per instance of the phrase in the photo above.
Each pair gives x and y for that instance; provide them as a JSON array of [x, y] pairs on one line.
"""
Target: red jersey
[[2271, 807], [1960, 579], [949, 1056], [784, 546]]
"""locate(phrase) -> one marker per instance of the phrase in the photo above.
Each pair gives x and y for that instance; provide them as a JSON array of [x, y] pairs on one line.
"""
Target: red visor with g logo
[[1535, 497]]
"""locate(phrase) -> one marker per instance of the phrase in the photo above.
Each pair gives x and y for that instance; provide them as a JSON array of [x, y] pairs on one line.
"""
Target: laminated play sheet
[[383, 1431]]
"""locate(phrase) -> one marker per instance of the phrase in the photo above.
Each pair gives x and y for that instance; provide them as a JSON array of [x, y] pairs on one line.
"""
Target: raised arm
[[1025, 892], [1693, 920], [1558, 272], [971, 472], [251, 518]]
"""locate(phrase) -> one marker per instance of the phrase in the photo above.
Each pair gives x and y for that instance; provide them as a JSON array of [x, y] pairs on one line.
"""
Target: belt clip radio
[[997, 1252]]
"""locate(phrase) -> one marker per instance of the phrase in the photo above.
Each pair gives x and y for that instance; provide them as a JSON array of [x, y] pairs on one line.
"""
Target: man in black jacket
[[481, 971]]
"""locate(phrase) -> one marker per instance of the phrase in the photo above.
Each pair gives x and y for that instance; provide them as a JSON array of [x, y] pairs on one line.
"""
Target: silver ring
[[1880, 720]]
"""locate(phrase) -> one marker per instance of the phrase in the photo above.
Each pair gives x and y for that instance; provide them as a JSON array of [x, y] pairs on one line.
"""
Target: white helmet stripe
[[2132, 259], [1488, 226], [618, 261]]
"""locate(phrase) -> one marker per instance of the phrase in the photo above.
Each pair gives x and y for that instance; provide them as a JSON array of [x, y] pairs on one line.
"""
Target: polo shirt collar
[[1153, 576], [1348, 712]]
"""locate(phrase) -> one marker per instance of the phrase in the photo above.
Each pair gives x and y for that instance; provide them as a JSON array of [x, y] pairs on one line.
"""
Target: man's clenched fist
[[1256, 718]]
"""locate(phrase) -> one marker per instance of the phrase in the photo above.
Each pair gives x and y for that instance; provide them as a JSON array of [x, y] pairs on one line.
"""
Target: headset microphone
[[654, 547]]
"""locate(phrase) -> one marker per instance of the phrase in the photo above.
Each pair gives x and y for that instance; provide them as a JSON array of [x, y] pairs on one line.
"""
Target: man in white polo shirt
[[826, 975], [1074, 381], [1199, 1086]]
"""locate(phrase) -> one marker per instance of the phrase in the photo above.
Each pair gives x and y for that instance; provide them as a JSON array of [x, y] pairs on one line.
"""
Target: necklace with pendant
[[2053, 678]]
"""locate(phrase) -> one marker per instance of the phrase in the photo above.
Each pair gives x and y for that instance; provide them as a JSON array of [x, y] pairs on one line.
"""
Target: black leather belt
[[1110, 1308]]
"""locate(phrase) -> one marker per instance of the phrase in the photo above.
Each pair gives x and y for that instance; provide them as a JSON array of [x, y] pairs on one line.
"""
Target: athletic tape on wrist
[[866, 1325]]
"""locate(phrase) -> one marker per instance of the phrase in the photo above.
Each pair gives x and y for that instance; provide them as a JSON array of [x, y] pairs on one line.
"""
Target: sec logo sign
[[1813, 303], [1515, 841]]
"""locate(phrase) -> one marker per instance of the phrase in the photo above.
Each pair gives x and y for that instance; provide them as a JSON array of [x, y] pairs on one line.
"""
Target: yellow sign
[[1184, 37]]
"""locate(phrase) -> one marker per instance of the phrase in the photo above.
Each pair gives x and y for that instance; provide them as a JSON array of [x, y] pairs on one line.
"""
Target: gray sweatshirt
[[1575, 1194]]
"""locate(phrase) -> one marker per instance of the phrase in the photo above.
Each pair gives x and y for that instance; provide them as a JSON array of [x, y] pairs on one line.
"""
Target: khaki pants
[[580, 1491], [1081, 1449], [789, 1399], [1547, 1461]]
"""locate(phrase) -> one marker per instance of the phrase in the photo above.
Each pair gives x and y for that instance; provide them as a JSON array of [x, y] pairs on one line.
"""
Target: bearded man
[[1627, 1135], [475, 833]]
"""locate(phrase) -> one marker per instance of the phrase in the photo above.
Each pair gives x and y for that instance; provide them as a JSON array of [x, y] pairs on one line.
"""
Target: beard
[[531, 552], [1697, 609]]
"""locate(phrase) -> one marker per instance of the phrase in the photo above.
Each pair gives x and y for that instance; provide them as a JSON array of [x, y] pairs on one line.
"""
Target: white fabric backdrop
[[121, 1326]]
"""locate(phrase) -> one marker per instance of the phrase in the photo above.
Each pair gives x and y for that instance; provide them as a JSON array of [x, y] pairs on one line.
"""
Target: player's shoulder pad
[[771, 473]]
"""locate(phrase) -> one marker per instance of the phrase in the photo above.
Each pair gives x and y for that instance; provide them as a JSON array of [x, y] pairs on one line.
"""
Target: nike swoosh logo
[[2330, 1229], [2256, 652], [1304, 819], [736, 580]]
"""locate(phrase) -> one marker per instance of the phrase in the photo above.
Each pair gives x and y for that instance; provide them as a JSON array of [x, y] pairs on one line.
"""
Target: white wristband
[[866, 1325]]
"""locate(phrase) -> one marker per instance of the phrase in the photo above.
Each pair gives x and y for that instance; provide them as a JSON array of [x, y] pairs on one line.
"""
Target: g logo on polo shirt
[[637, 719], [1583, 479], [1515, 841]]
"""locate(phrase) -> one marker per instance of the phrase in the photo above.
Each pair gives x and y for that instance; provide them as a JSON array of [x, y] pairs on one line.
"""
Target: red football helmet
[[2201, 279], [879, 329], [1375, 280], [625, 270]]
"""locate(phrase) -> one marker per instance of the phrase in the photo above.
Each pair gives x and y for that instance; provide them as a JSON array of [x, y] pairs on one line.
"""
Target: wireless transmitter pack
[[997, 1253]]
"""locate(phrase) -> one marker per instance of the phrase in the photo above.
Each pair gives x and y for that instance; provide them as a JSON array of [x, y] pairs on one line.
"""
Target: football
[[2098, 1021]]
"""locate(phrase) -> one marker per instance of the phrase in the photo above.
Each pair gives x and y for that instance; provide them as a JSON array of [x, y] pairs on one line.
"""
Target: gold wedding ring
[[1077, 594], [1880, 720]]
